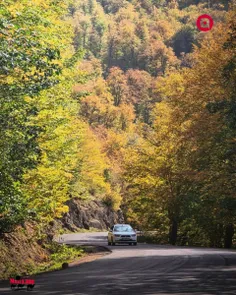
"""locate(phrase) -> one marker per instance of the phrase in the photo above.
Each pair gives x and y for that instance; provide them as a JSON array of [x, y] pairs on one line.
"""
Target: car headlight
[[133, 236], [117, 236]]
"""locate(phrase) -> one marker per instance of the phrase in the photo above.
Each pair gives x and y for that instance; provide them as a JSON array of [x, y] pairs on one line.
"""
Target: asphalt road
[[143, 269]]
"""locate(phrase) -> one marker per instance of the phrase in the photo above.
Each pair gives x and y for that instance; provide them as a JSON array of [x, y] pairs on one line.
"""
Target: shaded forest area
[[123, 101]]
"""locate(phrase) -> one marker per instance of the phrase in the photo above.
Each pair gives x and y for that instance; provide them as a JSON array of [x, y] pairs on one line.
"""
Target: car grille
[[123, 236]]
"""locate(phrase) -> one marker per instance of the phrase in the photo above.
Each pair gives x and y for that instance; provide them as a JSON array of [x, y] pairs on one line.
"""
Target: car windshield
[[123, 228]]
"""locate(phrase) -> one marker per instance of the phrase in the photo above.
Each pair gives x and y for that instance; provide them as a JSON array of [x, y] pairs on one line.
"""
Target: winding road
[[143, 269]]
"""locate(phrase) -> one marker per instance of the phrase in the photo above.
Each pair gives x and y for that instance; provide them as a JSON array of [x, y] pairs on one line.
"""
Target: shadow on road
[[207, 274]]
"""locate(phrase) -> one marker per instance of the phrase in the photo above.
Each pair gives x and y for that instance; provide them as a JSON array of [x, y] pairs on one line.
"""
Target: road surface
[[143, 269]]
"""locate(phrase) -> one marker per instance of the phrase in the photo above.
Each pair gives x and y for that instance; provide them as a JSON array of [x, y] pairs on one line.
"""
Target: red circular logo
[[205, 22]]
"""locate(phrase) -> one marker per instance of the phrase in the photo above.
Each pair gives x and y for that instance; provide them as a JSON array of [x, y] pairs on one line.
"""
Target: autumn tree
[[159, 169], [203, 105], [118, 85], [156, 58], [140, 93], [29, 64]]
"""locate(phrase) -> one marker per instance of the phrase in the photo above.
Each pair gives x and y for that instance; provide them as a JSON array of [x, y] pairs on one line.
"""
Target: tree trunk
[[173, 232], [229, 233]]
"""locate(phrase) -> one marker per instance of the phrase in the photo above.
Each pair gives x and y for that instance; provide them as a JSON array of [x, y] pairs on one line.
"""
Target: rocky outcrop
[[90, 214]]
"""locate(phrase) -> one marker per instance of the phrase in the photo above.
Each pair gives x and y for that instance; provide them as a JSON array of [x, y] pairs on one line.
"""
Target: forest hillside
[[125, 102]]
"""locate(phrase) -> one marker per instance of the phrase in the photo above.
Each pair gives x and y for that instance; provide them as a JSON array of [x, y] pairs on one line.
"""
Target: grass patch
[[33, 258], [92, 229], [79, 230], [60, 254]]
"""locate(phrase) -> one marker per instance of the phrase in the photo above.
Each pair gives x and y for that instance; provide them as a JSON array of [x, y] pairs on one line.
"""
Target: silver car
[[122, 233]]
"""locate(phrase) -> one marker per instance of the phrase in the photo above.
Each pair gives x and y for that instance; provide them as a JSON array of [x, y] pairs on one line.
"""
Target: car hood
[[124, 233]]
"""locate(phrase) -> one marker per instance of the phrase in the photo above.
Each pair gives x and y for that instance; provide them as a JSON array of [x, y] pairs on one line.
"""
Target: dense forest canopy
[[125, 101]]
